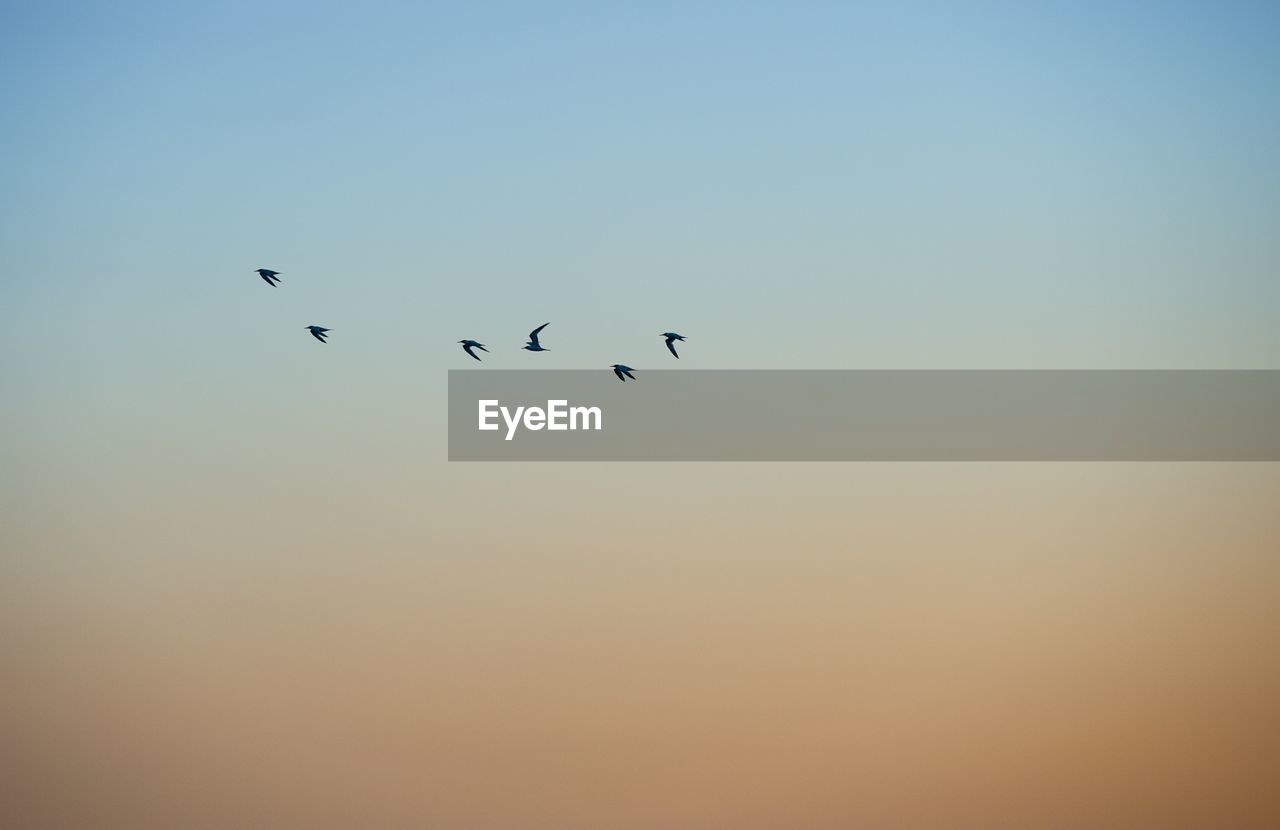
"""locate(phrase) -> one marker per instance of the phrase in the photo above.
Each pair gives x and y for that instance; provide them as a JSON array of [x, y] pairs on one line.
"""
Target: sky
[[234, 564]]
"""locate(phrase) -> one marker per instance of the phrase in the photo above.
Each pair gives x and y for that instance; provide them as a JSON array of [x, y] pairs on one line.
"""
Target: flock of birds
[[272, 278]]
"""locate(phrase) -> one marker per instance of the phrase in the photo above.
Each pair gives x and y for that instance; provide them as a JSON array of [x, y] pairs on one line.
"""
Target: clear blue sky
[[790, 185], [896, 184]]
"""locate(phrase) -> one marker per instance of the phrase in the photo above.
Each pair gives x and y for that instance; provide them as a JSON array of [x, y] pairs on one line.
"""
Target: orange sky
[[758, 646]]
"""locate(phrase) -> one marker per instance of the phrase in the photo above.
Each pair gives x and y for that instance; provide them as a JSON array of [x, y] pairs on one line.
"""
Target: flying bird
[[468, 345], [672, 337], [319, 333], [623, 372], [270, 277], [533, 345]]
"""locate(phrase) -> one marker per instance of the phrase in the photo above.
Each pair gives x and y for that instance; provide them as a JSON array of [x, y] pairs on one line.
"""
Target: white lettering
[[558, 416], [512, 422], [586, 413], [486, 414], [555, 411]]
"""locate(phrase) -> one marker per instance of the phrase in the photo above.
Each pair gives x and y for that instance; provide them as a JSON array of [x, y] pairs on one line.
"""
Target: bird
[[468, 345], [623, 372], [533, 345], [318, 333], [672, 337], [270, 277]]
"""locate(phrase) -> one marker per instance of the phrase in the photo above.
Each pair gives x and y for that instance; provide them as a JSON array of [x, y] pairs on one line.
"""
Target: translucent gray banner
[[691, 415]]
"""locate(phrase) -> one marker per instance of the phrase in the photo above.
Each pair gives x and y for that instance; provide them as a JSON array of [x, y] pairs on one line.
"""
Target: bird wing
[[467, 349], [618, 372], [481, 347], [533, 335], [627, 372], [671, 347]]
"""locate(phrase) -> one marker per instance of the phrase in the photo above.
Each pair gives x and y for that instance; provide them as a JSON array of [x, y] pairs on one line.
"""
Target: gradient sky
[[240, 586]]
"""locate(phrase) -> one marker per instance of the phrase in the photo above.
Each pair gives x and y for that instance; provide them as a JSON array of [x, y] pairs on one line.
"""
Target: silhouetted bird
[[621, 370], [319, 333], [270, 277], [672, 337], [533, 345], [468, 345]]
